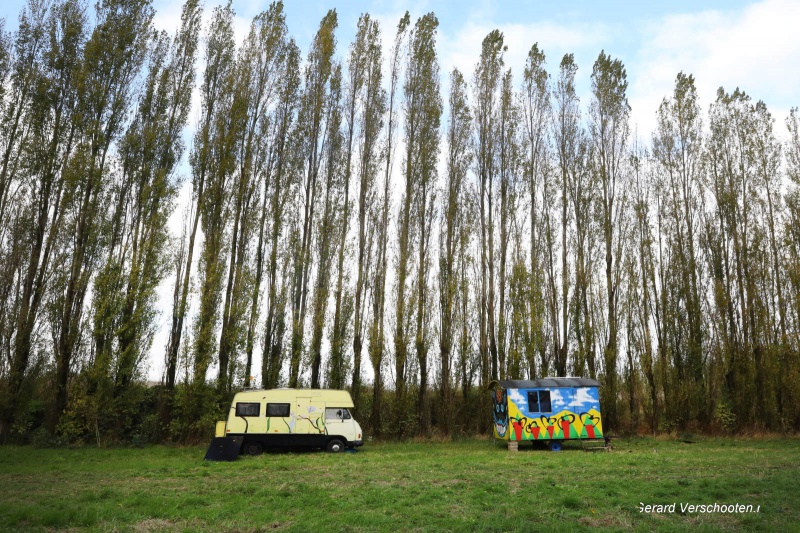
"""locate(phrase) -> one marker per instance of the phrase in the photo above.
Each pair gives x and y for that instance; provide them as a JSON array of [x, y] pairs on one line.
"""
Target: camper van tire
[[555, 445], [253, 448], [335, 446]]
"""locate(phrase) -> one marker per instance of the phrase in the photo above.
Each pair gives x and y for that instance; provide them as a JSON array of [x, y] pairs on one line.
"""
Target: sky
[[730, 43], [751, 45]]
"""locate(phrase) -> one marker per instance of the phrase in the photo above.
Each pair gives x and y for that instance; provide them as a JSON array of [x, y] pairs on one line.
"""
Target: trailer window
[[337, 413], [539, 401], [533, 402], [248, 409], [544, 401], [278, 409]]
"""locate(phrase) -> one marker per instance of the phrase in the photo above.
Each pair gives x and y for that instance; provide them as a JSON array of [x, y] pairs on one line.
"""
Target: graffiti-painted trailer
[[551, 410], [286, 418]]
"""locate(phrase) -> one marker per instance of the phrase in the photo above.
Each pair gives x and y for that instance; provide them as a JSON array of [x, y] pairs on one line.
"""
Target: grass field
[[423, 486]]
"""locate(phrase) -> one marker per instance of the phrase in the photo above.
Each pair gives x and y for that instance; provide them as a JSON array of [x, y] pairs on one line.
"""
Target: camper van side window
[[278, 409], [248, 409]]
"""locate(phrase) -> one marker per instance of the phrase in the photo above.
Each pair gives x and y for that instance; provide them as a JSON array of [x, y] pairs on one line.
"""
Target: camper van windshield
[[337, 413]]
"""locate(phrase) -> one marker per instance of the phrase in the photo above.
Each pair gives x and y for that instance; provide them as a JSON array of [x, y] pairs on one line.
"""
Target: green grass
[[431, 486]]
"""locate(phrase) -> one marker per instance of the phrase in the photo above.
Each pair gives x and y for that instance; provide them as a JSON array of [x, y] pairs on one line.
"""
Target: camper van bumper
[[355, 443]]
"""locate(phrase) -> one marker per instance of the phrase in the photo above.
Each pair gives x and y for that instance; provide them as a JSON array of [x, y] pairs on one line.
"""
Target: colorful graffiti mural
[[500, 412], [548, 414]]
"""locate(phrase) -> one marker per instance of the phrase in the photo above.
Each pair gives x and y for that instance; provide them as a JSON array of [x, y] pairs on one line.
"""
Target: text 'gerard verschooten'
[[688, 508]]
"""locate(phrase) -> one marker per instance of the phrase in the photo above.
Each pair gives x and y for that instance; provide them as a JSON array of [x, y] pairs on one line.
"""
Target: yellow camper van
[[286, 418]]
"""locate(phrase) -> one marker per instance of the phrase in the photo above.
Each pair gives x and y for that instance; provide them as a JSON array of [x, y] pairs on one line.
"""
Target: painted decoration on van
[[319, 425], [500, 412], [317, 422], [574, 414]]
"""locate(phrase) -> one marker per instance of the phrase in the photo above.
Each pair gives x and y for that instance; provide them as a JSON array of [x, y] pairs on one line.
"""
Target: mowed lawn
[[470, 485]]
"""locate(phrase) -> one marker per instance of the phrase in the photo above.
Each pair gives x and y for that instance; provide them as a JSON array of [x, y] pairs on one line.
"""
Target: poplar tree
[[48, 126], [583, 195], [218, 55], [284, 160], [535, 108], [380, 218], [453, 223], [312, 121], [423, 115], [609, 129], [20, 69], [258, 69], [508, 170], [333, 204], [405, 234], [125, 296], [486, 83], [566, 136], [10, 257], [112, 58], [355, 82], [213, 164], [768, 155], [373, 108], [645, 295], [640, 307], [365, 106], [678, 151], [738, 144], [791, 231], [271, 52]]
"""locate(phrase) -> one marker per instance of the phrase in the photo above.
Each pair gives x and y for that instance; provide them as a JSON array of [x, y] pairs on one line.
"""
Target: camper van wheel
[[555, 445], [253, 448], [335, 446]]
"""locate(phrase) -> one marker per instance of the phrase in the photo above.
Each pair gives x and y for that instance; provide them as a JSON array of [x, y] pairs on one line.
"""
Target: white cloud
[[557, 400], [462, 50], [582, 398], [755, 49], [519, 399], [167, 16]]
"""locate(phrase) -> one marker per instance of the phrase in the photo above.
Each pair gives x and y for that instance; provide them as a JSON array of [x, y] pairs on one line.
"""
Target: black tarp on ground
[[224, 449]]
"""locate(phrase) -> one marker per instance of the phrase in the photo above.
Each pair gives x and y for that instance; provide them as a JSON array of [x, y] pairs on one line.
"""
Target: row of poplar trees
[[342, 225]]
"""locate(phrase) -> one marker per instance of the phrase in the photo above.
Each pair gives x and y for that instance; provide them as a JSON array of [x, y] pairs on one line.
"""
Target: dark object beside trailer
[[224, 449]]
